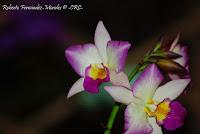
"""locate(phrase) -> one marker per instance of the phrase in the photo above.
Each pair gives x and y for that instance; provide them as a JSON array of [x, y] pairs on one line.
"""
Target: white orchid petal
[[156, 128], [120, 94], [171, 90], [119, 79], [146, 84], [117, 52], [101, 39], [174, 43], [136, 120], [183, 51], [76, 88], [81, 56]]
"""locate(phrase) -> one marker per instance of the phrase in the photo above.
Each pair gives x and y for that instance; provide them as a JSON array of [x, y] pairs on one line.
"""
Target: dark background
[[35, 76]]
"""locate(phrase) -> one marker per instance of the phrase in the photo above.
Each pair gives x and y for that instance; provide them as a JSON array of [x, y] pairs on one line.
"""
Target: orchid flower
[[181, 50], [149, 105], [100, 62]]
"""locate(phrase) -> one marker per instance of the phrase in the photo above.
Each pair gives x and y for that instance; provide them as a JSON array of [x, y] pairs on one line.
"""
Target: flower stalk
[[112, 117]]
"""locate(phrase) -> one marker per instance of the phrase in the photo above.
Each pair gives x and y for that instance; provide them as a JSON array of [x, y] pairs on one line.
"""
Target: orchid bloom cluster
[[151, 98]]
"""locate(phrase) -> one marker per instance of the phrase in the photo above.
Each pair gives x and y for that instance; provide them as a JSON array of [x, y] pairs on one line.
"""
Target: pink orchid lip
[[170, 114], [175, 117], [92, 85]]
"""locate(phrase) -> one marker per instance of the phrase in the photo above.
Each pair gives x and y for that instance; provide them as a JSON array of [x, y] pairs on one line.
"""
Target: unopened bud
[[171, 66], [167, 54]]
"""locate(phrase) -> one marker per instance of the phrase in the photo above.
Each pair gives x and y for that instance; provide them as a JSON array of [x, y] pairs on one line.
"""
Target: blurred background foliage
[[35, 76]]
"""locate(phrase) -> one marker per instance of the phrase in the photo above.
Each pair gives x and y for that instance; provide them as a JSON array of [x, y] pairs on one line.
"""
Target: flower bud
[[166, 54], [171, 67]]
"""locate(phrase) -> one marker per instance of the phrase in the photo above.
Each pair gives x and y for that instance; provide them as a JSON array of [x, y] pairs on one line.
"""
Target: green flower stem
[[134, 72], [112, 117], [116, 106]]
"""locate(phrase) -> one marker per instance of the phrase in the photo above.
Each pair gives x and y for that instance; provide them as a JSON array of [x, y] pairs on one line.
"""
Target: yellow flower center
[[160, 111], [97, 71]]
